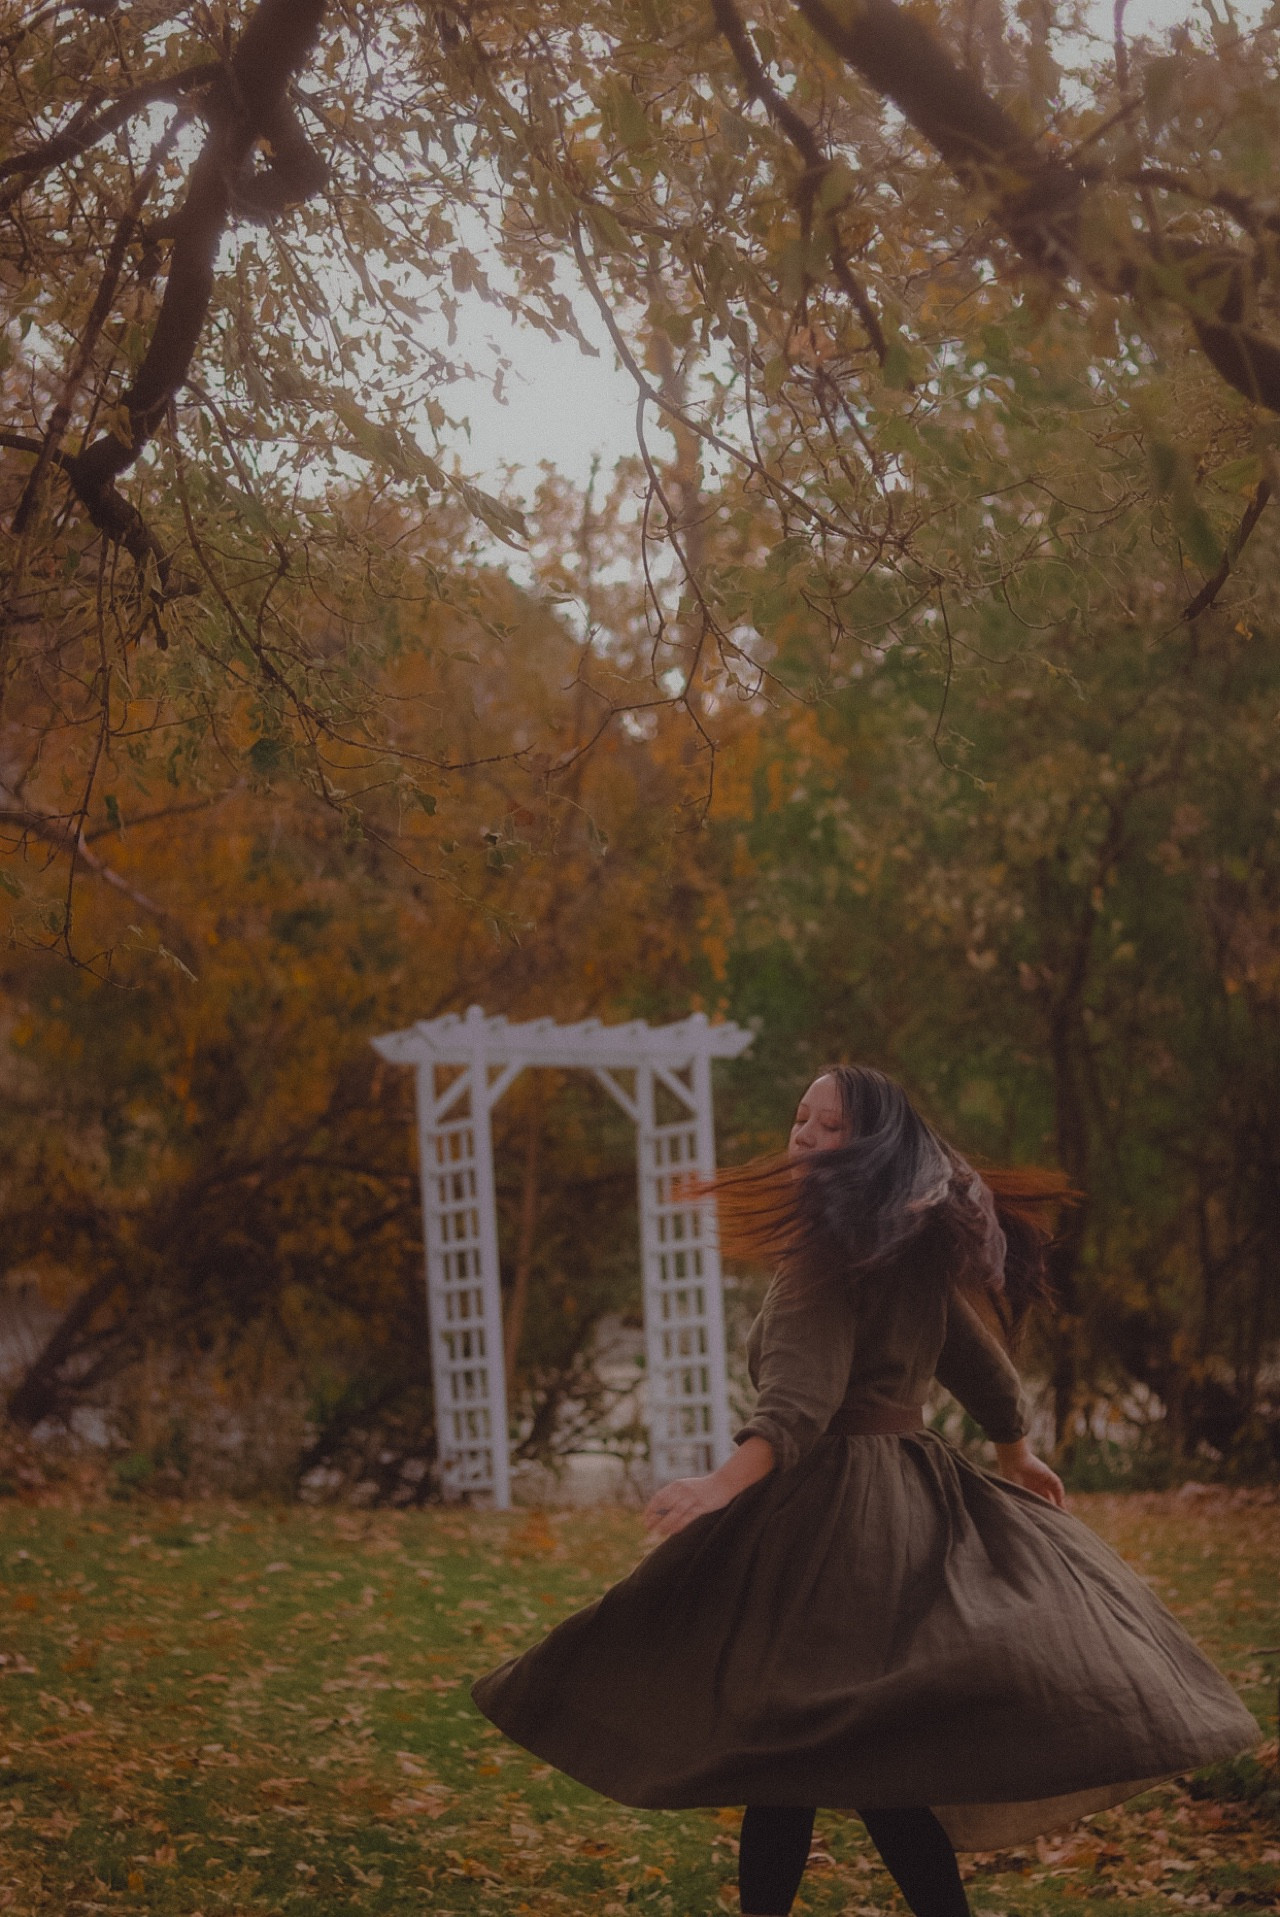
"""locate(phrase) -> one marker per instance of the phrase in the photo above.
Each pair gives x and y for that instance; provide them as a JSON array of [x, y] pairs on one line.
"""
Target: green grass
[[212, 1709]]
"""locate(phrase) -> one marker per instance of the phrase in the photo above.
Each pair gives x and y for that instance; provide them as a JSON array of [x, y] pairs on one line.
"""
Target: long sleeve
[[975, 1368], [802, 1351]]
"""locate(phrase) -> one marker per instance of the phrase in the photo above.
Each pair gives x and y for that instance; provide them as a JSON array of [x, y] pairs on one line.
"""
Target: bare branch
[[53, 832], [1121, 50], [1244, 357], [179, 811], [762, 88], [83, 132], [33, 25], [1247, 213], [817, 164], [103, 300], [23, 443], [121, 523], [647, 390], [249, 105], [1036, 197], [1212, 587]]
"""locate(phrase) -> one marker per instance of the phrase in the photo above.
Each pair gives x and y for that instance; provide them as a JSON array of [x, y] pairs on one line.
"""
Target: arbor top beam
[[454, 1040]]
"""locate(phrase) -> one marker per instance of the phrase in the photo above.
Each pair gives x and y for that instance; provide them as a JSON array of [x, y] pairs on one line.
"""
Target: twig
[[1122, 51], [752, 464], [946, 685]]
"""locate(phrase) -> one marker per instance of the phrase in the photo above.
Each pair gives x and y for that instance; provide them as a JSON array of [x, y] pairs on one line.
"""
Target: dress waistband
[[870, 1420]]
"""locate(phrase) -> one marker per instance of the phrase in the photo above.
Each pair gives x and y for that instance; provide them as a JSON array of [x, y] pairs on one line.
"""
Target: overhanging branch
[[55, 833], [816, 163], [85, 130], [1208, 593], [248, 105], [1038, 198]]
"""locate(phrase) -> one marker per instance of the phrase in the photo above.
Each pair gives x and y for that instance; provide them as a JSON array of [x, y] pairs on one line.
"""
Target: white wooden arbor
[[463, 1067]]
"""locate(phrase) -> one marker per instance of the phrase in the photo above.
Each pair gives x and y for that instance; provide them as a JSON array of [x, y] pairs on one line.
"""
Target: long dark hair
[[895, 1188]]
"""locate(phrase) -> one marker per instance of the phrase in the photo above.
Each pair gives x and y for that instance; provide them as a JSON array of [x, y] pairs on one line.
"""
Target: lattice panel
[[466, 1344], [682, 1374]]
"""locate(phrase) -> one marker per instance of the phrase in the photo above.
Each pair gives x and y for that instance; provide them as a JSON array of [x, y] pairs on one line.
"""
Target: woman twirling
[[848, 1613]]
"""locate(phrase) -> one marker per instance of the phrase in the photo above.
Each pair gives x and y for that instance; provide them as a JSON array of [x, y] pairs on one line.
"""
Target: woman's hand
[[678, 1504], [1019, 1463]]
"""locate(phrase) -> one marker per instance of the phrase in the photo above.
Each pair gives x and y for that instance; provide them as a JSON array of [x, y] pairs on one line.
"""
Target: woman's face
[[820, 1121]]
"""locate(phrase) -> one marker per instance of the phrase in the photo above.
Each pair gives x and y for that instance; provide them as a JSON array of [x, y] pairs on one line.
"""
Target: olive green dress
[[878, 1622]]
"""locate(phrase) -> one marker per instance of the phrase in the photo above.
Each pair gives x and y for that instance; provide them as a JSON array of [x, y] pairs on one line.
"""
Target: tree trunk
[[36, 1394]]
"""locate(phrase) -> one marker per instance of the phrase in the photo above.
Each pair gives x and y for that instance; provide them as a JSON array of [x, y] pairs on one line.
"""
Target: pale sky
[[563, 407]]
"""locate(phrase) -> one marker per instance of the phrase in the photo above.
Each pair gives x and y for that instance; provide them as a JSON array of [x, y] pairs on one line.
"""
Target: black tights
[[916, 1851]]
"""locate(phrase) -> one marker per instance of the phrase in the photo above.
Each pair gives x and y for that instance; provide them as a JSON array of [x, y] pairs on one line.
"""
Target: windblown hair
[[896, 1188]]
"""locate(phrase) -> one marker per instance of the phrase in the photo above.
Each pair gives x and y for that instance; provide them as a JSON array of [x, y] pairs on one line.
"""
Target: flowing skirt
[[884, 1624]]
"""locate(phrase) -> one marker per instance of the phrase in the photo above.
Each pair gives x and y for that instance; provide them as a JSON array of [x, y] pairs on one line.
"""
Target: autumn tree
[[242, 249]]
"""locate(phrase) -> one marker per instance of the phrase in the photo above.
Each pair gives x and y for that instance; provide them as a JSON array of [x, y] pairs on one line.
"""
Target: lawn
[[213, 1708]]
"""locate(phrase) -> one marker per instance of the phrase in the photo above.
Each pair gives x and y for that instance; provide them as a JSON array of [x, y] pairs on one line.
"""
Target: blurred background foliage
[[912, 696], [1054, 914]]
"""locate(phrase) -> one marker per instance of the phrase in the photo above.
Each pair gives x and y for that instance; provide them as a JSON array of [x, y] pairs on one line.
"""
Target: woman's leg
[[771, 1858], [919, 1857]]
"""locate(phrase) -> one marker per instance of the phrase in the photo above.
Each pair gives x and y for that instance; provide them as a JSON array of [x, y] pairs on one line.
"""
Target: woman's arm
[[976, 1369], [805, 1357], [806, 1352]]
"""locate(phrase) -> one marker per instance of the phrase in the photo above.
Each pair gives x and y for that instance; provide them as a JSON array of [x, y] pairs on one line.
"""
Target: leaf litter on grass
[[218, 1709]]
